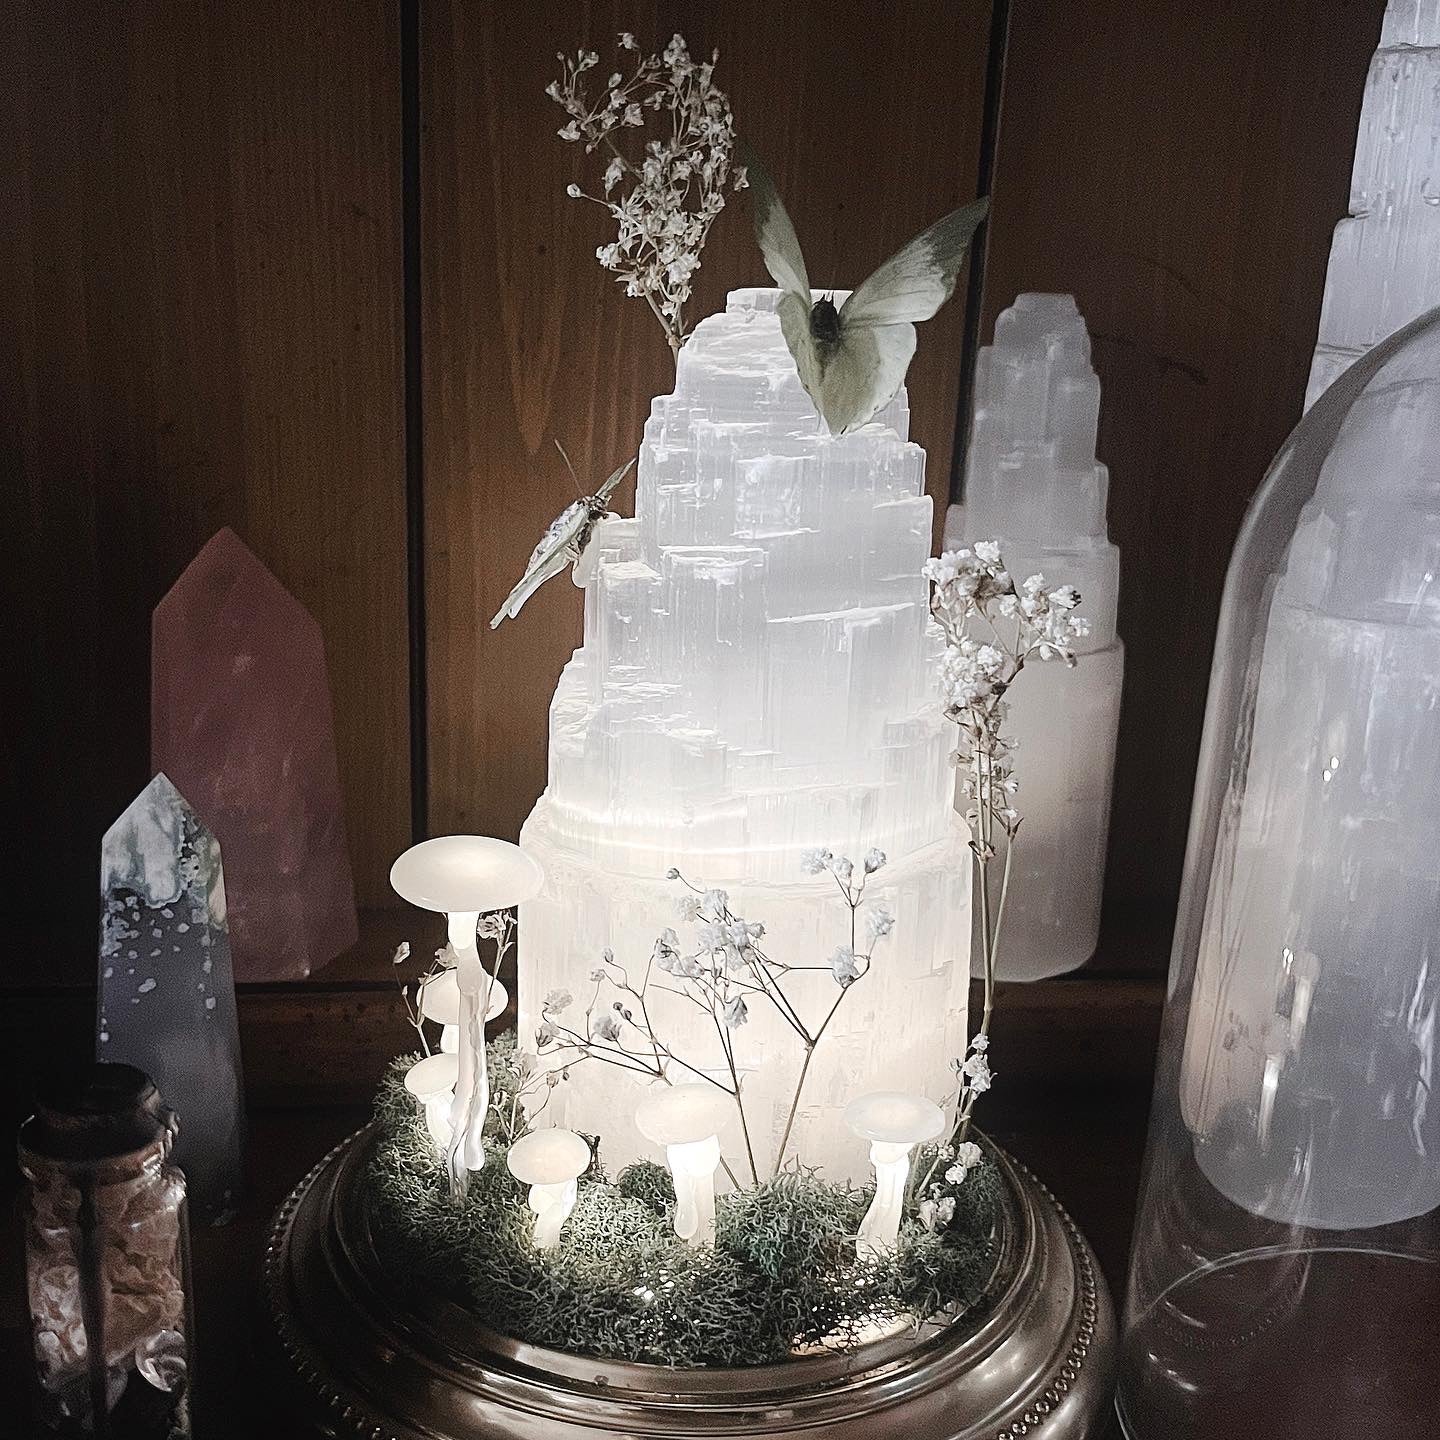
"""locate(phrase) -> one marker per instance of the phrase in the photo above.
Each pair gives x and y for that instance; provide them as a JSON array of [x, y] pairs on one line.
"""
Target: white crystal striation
[[1385, 256], [1032, 482], [757, 678]]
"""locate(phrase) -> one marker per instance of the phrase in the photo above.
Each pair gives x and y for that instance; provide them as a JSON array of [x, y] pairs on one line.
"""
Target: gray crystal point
[[167, 994]]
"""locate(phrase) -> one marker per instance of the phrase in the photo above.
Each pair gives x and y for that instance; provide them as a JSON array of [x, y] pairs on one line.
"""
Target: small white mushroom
[[550, 1162], [894, 1124], [463, 877], [440, 1002], [432, 1082], [686, 1120]]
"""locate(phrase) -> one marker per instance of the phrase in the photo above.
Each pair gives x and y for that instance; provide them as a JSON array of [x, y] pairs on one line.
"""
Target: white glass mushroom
[[463, 877], [440, 1002], [894, 1124], [432, 1082], [686, 1120], [550, 1162]]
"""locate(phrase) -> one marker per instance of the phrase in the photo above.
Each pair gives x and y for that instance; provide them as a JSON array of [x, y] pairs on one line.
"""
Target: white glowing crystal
[[1032, 482], [1385, 256], [756, 678]]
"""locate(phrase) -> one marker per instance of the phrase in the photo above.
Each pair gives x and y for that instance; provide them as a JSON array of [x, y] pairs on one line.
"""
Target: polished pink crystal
[[241, 721]]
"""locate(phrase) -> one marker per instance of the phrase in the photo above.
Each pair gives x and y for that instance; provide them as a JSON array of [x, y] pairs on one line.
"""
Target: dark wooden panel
[[1179, 168], [199, 325], [870, 122]]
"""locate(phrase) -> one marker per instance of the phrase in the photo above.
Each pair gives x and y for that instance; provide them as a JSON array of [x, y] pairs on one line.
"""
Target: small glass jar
[[107, 1259]]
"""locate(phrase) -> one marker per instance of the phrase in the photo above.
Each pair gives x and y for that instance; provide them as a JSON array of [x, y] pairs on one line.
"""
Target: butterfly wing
[[919, 278], [779, 244], [862, 374], [550, 557], [780, 247]]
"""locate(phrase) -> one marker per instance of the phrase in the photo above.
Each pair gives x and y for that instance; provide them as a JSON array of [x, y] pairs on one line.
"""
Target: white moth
[[852, 361], [563, 543]]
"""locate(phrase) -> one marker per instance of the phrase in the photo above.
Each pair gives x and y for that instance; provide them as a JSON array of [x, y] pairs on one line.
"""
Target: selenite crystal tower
[[1385, 257], [1032, 482], [757, 678]]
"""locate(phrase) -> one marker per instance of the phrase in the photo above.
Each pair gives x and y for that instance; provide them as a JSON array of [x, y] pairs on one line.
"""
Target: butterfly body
[[852, 360], [825, 322], [563, 543]]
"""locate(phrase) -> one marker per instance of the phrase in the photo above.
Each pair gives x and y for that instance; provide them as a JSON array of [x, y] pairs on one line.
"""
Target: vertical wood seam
[[410, 203], [996, 53]]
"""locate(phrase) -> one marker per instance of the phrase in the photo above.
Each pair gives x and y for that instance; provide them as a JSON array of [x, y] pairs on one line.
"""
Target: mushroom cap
[[440, 999], [432, 1076], [893, 1117], [463, 874], [682, 1114], [548, 1157]]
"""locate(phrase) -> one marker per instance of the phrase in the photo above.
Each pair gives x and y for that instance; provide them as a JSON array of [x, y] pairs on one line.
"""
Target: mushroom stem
[[472, 1089], [551, 1205], [881, 1225], [437, 1120], [692, 1166]]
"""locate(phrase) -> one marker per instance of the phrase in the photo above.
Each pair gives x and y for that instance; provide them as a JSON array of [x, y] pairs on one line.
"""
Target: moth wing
[[603, 494], [779, 244], [795, 326], [550, 557], [863, 373], [920, 277]]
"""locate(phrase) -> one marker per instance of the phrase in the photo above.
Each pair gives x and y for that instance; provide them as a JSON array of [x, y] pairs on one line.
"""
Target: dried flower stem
[[971, 585]]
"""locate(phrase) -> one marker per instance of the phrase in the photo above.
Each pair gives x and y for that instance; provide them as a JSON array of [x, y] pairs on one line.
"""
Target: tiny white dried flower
[[843, 965], [874, 859], [556, 1001], [814, 860], [879, 922]]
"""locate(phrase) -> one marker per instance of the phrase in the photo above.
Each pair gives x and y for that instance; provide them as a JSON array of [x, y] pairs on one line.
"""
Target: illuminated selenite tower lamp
[[1285, 1279], [464, 877]]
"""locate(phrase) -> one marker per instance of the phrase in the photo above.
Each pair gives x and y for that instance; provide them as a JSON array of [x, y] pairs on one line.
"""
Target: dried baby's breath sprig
[[991, 629], [723, 971], [664, 194]]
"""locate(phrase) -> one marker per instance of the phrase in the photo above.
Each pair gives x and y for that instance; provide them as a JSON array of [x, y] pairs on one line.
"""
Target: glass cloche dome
[[1285, 1278]]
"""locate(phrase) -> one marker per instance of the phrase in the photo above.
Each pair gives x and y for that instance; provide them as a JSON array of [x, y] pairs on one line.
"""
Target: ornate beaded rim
[[300, 1356], [1068, 1371]]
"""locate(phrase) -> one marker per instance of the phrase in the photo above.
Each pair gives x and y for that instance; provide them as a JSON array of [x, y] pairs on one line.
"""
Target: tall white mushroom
[[440, 1002], [686, 1120], [551, 1163], [432, 1082], [894, 1124], [463, 877]]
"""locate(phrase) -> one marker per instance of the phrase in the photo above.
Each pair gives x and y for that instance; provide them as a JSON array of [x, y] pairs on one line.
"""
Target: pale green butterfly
[[853, 360]]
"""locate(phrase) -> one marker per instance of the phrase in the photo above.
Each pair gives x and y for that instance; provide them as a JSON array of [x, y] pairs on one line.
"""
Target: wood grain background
[[1179, 168], [202, 322], [200, 299]]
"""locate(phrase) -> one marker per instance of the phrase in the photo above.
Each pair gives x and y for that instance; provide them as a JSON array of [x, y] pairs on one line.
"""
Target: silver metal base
[[359, 1359]]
